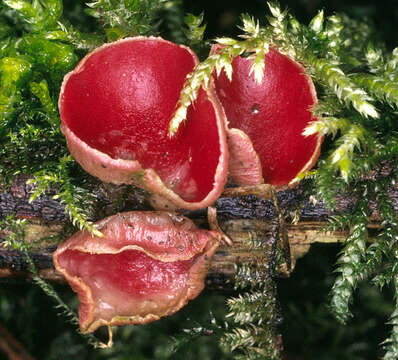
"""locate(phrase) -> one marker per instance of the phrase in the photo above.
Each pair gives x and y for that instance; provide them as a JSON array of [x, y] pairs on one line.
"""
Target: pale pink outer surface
[[244, 163], [162, 236], [121, 171], [245, 167]]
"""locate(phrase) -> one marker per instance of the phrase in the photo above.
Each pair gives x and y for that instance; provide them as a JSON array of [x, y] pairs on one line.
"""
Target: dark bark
[[241, 218], [16, 202]]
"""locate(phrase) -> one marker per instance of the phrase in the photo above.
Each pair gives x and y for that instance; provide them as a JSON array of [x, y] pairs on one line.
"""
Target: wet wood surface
[[243, 219]]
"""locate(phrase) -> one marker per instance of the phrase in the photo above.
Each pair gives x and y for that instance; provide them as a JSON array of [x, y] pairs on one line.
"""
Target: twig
[[281, 228], [263, 191], [214, 225]]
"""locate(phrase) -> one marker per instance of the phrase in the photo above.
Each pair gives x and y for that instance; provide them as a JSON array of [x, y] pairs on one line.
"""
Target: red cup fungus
[[267, 120], [147, 265], [115, 107]]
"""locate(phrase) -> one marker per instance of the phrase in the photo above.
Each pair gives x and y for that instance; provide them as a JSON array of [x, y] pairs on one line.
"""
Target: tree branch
[[242, 219]]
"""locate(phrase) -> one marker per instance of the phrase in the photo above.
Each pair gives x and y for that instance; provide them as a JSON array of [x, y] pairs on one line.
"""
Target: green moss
[[356, 80], [53, 59]]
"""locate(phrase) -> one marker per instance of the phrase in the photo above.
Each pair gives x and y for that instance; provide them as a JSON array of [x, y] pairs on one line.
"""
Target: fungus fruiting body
[[245, 164], [147, 265], [273, 114], [115, 108]]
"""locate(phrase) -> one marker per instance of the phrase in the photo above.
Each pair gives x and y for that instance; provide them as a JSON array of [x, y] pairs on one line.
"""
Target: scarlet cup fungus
[[267, 120], [147, 265], [115, 108]]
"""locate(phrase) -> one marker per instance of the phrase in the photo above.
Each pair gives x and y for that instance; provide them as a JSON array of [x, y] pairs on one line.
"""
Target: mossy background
[[223, 16], [309, 330]]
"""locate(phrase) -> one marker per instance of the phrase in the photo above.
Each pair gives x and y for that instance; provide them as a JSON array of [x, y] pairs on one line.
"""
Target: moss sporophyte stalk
[[355, 76]]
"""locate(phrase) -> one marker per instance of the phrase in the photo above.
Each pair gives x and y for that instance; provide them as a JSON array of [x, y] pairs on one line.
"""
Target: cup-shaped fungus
[[147, 265], [266, 120], [115, 107]]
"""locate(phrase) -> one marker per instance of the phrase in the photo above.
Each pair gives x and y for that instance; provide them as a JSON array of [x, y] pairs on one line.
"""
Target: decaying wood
[[242, 232], [242, 219], [263, 191]]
